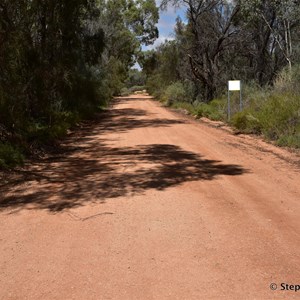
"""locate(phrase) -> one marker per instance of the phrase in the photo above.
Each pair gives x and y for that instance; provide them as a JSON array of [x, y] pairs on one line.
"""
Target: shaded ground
[[94, 171], [172, 209]]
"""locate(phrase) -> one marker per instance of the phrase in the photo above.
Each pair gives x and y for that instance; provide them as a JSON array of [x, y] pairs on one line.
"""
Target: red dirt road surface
[[147, 204]]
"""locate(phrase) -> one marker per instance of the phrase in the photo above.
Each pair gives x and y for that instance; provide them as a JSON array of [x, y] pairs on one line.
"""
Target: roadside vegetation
[[135, 82], [62, 61], [253, 41]]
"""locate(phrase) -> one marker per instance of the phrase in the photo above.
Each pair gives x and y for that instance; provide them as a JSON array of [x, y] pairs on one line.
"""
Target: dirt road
[[147, 204]]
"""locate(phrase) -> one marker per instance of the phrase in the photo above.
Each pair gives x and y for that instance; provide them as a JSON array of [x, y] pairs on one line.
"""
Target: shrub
[[136, 88], [246, 122], [190, 89], [288, 80], [42, 133], [124, 92], [184, 105], [155, 85], [10, 156], [289, 140], [253, 96], [213, 110], [280, 115], [174, 93], [277, 117]]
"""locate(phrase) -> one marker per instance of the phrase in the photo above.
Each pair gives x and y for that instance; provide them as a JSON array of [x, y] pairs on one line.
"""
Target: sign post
[[234, 85]]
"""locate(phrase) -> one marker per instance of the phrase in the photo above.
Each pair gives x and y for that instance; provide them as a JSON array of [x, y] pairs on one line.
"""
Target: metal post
[[228, 106], [241, 99]]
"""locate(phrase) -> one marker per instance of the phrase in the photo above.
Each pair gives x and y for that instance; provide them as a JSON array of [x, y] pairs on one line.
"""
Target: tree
[[59, 58], [272, 26], [242, 39], [211, 33], [127, 25]]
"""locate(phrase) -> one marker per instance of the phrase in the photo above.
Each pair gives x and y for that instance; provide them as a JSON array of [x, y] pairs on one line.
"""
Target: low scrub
[[125, 92], [247, 122], [43, 133], [185, 106], [174, 93], [136, 88], [280, 115], [10, 156], [215, 110], [289, 141], [273, 112], [277, 118]]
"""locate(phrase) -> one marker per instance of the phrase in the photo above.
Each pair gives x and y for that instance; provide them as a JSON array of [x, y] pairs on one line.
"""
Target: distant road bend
[[147, 204]]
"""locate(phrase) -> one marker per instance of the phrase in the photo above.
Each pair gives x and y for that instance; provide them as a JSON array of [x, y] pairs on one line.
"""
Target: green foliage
[[43, 133], [137, 88], [288, 80], [213, 110], [10, 156], [184, 105], [289, 141], [61, 61], [155, 86], [125, 92], [128, 91], [279, 115], [174, 93], [135, 78], [161, 68], [273, 112], [246, 122]]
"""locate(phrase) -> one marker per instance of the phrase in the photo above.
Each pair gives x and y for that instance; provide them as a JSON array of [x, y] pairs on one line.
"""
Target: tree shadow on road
[[124, 119], [87, 168], [75, 181]]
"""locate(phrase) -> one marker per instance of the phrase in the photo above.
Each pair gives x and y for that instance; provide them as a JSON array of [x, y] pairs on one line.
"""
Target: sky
[[166, 25]]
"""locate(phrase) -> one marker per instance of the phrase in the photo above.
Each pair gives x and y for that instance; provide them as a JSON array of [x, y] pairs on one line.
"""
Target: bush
[[124, 92], [10, 156], [137, 88], [174, 93], [288, 81], [215, 110], [190, 89], [280, 115], [155, 86], [253, 96], [184, 105], [271, 111], [246, 122], [289, 141], [274, 112], [42, 133], [277, 117]]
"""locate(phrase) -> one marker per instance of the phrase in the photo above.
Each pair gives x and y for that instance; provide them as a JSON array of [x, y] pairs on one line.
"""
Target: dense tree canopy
[[222, 40], [61, 59]]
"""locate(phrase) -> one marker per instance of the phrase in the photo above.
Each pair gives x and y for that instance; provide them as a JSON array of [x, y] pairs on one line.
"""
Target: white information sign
[[234, 85]]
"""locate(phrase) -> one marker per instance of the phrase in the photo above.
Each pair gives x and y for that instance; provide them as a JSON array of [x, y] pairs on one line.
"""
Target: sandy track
[[145, 204]]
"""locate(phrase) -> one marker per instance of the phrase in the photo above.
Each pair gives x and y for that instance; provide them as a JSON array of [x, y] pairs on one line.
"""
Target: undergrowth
[[273, 112], [10, 156]]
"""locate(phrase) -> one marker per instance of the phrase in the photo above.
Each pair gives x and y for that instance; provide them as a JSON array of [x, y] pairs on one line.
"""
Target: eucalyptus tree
[[243, 39], [275, 32], [55, 56], [211, 33], [127, 24]]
